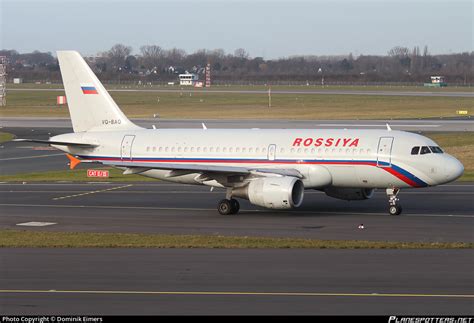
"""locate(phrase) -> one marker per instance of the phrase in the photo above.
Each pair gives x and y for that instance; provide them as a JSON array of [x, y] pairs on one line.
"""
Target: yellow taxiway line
[[229, 293]]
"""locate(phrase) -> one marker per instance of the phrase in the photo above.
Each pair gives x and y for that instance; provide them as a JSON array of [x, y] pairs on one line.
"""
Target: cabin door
[[126, 148], [384, 152]]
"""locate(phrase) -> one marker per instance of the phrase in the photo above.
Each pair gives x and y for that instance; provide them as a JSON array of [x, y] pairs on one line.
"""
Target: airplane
[[271, 168]]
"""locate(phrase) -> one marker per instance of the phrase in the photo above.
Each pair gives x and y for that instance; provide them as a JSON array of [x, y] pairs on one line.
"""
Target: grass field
[[204, 105], [4, 137], [38, 239], [460, 145]]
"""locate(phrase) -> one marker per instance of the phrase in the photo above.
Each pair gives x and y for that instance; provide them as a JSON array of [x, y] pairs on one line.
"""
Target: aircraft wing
[[58, 143], [140, 167]]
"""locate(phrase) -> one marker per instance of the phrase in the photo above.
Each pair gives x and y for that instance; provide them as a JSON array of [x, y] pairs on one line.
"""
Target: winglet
[[73, 161], [388, 127]]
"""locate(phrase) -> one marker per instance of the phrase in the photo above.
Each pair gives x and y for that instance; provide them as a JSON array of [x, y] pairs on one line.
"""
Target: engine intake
[[273, 192], [350, 194]]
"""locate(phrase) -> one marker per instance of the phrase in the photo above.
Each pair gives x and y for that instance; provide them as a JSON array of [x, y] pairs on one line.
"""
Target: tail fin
[[90, 106]]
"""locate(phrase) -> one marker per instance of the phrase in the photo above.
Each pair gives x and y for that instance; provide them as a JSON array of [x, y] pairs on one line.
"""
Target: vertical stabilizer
[[90, 105]]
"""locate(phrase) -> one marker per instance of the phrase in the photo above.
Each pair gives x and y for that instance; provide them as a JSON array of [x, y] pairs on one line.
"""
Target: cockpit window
[[415, 150], [425, 150], [436, 149]]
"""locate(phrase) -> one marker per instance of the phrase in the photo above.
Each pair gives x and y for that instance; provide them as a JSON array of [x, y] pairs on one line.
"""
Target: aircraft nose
[[453, 169]]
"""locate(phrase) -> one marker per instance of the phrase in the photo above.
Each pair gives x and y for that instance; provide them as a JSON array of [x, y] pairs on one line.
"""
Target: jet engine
[[349, 194], [273, 192]]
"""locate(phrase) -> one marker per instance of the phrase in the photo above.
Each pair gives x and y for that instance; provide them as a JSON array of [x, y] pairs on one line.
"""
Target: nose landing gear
[[394, 206]]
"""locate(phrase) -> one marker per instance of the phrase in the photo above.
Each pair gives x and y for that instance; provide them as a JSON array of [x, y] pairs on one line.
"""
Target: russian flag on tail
[[88, 89]]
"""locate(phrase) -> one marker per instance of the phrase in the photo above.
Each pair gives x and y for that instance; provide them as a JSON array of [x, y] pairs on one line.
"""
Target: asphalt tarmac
[[437, 214], [251, 281]]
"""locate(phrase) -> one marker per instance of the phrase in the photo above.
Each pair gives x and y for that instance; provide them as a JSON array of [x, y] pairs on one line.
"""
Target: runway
[[235, 281], [439, 214], [447, 124], [464, 94], [209, 281]]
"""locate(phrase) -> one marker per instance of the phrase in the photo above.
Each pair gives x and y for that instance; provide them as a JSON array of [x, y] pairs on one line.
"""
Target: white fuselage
[[353, 158]]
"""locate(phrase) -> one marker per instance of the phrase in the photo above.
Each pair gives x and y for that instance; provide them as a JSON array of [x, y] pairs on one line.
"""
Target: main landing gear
[[394, 206], [228, 206]]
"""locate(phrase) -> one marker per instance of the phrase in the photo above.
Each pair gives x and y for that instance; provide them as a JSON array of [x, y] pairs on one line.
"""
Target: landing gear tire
[[226, 207], [235, 206], [395, 209]]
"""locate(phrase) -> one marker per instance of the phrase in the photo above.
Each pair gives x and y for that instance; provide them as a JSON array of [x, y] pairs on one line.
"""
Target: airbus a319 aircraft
[[270, 168]]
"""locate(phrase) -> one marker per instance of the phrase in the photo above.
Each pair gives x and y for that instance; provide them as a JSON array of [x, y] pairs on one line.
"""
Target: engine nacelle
[[273, 192], [350, 194]]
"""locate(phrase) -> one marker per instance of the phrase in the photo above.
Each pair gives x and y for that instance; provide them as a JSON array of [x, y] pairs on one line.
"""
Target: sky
[[271, 29]]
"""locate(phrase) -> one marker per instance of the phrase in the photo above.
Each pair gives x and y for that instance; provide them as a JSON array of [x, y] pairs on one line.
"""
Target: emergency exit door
[[271, 152], [384, 152]]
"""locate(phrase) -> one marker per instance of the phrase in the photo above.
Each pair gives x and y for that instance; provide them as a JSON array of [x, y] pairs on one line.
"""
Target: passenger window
[[436, 150], [425, 150], [415, 150]]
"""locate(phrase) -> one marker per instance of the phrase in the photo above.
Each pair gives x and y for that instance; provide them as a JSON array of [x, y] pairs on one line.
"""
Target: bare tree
[[152, 56], [117, 55], [241, 53]]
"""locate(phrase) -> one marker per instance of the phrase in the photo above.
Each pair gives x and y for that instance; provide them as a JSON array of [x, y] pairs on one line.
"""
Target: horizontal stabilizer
[[58, 143]]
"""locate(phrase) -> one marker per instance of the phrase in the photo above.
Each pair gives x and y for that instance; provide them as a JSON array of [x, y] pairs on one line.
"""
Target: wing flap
[[204, 168]]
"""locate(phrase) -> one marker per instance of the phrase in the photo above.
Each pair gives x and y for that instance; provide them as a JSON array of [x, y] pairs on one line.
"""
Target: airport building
[[188, 79], [437, 81]]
